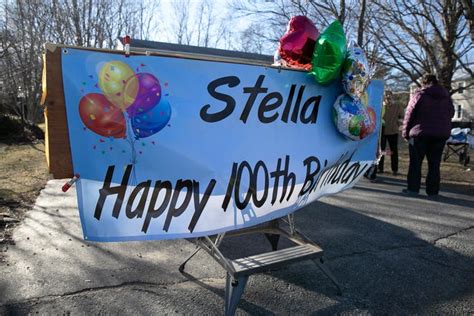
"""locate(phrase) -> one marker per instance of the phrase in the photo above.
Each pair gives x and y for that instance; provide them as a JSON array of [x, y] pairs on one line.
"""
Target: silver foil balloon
[[355, 72]]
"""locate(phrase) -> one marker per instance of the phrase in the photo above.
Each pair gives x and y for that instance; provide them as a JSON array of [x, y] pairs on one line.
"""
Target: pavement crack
[[106, 287], [146, 291], [452, 234], [419, 245], [424, 245], [373, 252], [445, 264]]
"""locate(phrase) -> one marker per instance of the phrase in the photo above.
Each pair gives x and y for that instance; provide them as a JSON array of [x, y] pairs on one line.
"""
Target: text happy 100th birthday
[[277, 185]]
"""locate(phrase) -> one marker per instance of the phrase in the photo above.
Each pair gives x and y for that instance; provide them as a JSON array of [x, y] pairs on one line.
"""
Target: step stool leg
[[273, 239], [233, 291], [320, 263], [181, 267]]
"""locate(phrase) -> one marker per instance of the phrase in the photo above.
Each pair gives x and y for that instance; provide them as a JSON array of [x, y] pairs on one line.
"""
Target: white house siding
[[463, 102]]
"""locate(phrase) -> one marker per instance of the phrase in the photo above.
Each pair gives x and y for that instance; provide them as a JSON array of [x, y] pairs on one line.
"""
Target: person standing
[[393, 113], [426, 127]]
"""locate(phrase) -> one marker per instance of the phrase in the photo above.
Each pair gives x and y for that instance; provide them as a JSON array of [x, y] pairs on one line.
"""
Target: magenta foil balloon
[[297, 44], [148, 95]]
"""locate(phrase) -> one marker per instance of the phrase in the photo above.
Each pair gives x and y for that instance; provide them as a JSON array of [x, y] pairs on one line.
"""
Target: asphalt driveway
[[394, 254]]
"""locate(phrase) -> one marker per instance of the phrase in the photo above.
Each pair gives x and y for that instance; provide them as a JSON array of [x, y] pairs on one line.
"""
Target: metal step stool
[[239, 270]]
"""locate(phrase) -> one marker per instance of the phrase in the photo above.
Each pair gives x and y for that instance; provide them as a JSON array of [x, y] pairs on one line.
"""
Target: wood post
[[57, 148]]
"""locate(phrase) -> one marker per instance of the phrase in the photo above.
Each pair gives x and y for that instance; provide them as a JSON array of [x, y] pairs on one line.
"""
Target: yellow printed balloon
[[365, 99], [118, 84]]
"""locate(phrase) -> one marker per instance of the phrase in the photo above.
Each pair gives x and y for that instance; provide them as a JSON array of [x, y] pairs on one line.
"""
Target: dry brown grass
[[23, 173]]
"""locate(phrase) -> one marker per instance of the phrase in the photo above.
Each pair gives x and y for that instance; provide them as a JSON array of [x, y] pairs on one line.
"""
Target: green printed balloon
[[355, 125], [335, 117], [329, 53]]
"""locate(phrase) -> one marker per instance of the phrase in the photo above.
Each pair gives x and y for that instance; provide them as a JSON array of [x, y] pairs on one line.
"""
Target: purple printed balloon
[[148, 95]]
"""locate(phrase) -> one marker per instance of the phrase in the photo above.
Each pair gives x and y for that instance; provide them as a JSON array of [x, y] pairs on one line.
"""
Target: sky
[[221, 10]]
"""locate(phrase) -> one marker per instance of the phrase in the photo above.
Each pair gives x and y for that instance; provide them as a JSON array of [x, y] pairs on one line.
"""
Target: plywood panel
[[58, 153]]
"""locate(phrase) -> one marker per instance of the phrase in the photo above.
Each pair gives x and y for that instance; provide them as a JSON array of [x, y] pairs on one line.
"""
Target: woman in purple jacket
[[427, 126]]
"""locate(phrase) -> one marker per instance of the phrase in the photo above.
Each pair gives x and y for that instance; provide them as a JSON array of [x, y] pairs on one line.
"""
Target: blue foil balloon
[[148, 123]]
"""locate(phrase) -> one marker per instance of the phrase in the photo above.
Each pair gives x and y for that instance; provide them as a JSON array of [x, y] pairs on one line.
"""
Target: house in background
[[463, 100]]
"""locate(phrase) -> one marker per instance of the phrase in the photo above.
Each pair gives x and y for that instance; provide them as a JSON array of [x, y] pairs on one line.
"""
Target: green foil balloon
[[329, 53]]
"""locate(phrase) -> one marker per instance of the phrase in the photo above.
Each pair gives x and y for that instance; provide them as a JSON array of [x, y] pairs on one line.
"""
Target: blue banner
[[174, 148]]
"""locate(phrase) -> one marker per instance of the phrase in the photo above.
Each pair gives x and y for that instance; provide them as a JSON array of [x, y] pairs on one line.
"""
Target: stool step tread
[[268, 260]]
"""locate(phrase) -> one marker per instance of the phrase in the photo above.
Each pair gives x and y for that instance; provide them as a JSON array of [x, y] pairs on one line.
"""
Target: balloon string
[[131, 141]]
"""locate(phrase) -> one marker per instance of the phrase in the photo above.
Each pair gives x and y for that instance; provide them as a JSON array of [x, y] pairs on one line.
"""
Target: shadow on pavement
[[386, 250]]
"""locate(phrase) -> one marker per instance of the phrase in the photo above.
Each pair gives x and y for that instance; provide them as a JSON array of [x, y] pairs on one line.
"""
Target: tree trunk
[[469, 14], [360, 28]]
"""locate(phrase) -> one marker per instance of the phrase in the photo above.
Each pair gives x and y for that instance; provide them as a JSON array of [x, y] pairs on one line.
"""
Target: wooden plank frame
[[57, 146]]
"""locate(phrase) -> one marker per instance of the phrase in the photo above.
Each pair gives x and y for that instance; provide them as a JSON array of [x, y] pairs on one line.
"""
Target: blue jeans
[[432, 148]]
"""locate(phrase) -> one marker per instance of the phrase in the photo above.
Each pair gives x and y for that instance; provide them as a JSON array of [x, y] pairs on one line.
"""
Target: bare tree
[[274, 16], [423, 36], [269, 18], [253, 39], [360, 27], [469, 14], [146, 18], [21, 65], [401, 38], [327, 9], [199, 24], [27, 24], [205, 21], [180, 31]]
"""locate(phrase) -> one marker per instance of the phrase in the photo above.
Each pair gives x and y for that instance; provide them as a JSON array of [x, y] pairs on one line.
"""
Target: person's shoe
[[433, 196], [409, 192]]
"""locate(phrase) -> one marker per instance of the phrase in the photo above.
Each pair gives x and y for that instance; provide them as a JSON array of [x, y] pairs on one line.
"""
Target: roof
[[143, 44], [462, 74]]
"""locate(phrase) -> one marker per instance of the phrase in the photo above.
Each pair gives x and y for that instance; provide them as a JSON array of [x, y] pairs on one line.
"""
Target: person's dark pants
[[432, 148], [393, 143]]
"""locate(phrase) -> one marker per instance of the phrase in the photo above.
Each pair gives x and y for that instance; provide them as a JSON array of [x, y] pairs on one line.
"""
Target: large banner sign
[[174, 148]]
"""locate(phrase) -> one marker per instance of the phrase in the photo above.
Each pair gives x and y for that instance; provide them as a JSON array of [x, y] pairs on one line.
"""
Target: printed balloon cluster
[[327, 58], [360, 123], [126, 97]]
